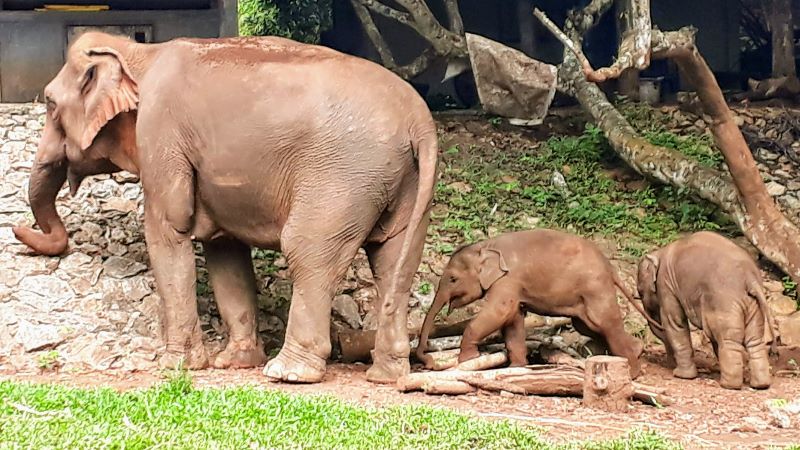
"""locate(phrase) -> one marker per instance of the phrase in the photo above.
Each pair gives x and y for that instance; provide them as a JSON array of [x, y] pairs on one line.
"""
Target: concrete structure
[[33, 43]]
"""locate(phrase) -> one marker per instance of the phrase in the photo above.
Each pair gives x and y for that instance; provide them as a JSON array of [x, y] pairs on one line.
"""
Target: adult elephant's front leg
[[172, 259], [230, 270]]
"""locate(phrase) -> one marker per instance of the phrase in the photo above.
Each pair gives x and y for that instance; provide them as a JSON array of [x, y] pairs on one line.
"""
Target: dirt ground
[[703, 416]]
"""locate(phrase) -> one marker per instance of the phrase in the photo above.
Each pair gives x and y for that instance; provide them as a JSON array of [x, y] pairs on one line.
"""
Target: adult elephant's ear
[[108, 88], [493, 267]]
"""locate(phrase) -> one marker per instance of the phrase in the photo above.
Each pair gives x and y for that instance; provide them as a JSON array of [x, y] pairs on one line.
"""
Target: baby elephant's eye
[[453, 279]]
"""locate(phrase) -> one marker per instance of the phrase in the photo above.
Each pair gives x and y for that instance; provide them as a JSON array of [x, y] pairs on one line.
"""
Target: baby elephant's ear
[[493, 267]]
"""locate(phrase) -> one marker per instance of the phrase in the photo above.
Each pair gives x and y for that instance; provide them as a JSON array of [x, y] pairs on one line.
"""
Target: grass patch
[[565, 183], [175, 415]]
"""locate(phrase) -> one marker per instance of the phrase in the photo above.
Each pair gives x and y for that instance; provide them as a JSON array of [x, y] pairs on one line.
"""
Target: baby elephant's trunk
[[439, 301]]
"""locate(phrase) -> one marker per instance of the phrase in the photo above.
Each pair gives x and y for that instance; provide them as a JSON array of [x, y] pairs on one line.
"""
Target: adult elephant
[[244, 142]]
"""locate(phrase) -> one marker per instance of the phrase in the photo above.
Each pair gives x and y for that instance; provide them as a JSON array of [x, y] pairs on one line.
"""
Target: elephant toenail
[[292, 377]]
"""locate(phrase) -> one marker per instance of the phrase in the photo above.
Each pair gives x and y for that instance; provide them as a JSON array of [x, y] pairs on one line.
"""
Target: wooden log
[[484, 362], [550, 380], [607, 383], [652, 395], [494, 385], [415, 381], [447, 387], [446, 359]]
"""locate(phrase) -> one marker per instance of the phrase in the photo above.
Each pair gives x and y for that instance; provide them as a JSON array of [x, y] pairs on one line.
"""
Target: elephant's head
[[89, 129], [646, 279], [471, 271]]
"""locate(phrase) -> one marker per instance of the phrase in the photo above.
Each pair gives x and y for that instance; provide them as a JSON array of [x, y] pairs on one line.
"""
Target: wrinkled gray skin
[[546, 272], [249, 142], [708, 281]]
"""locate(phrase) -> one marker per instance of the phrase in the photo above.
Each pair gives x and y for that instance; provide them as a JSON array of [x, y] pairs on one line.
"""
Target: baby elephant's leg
[[497, 311], [514, 334], [760, 374], [727, 329]]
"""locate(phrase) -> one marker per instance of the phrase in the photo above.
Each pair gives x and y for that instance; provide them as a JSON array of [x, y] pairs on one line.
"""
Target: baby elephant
[[713, 283], [542, 271]]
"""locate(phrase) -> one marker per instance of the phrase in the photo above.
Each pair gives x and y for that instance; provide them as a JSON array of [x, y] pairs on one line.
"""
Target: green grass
[[175, 415], [485, 189]]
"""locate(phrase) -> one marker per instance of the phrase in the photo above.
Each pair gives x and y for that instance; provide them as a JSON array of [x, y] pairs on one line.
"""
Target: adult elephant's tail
[[426, 152], [629, 296], [425, 148]]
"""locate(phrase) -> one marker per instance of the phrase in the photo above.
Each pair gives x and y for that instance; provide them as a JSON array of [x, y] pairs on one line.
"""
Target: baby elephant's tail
[[628, 295], [755, 289]]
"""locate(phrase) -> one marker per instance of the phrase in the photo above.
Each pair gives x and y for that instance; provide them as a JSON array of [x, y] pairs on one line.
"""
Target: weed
[[49, 361], [425, 288]]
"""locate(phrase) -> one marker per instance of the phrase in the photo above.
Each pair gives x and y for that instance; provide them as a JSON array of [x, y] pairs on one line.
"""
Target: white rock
[[37, 337], [775, 189]]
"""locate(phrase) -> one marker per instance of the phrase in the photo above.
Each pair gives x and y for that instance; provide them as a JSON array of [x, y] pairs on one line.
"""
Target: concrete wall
[[33, 44]]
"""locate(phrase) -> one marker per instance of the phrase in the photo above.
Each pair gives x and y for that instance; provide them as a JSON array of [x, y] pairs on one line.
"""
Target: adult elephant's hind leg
[[318, 253], [230, 270], [390, 356]]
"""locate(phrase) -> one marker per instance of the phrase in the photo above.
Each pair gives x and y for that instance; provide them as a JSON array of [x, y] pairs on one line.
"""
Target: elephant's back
[[559, 253]]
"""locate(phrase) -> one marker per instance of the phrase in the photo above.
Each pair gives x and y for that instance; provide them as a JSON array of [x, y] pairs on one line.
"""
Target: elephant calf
[[542, 271], [713, 283]]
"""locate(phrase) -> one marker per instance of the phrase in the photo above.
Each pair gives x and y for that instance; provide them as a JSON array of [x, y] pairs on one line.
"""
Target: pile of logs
[[603, 381]]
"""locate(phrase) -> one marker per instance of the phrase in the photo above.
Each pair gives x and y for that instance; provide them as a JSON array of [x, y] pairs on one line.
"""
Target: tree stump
[[607, 383]]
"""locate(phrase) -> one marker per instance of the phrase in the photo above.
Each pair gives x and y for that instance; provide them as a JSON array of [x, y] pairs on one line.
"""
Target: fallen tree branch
[[742, 195], [532, 380]]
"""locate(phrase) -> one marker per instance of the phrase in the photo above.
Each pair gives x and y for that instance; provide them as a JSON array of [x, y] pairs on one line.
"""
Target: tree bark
[[781, 26], [444, 42], [743, 194]]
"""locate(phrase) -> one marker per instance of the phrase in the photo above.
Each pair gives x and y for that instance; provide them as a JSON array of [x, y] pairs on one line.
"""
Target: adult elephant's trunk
[[47, 177], [442, 298]]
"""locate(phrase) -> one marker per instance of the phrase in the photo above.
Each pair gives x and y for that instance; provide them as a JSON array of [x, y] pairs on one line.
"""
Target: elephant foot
[[730, 382], [386, 369], [635, 368], [195, 358], [687, 373], [295, 366], [241, 355], [760, 376], [468, 353]]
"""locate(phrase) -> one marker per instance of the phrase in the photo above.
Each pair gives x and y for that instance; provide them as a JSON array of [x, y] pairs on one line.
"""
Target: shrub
[[302, 20]]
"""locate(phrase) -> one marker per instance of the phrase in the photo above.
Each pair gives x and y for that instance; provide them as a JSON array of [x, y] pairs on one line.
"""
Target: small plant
[[178, 381], [789, 287], [425, 288], [453, 150], [495, 121], [49, 361]]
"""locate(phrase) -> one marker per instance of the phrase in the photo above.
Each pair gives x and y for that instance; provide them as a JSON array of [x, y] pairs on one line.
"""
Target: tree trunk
[[607, 383], [779, 20]]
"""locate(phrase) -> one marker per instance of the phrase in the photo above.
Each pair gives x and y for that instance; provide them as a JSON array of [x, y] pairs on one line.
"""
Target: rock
[[119, 204], [271, 325], [37, 337], [773, 286], [789, 329], [500, 70], [775, 189], [44, 292], [558, 181], [135, 289], [346, 308], [781, 305], [122, 267]]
